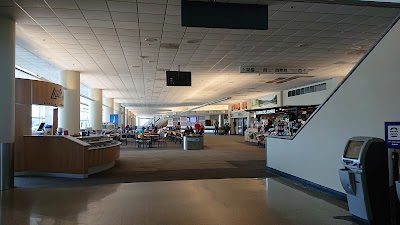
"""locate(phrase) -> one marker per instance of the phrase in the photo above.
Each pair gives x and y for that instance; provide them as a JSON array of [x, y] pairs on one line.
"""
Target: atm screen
[[353, 149]]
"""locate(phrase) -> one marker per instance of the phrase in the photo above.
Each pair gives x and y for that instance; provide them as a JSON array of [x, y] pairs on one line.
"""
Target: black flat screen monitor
[[179, 78], [213, 14], [41, 127], [353, 149]]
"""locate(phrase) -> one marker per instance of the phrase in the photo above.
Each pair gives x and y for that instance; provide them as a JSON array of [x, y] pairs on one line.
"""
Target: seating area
[[153, 140]]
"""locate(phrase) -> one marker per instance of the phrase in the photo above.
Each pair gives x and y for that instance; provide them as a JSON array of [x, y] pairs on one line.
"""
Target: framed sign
[[392, 134]]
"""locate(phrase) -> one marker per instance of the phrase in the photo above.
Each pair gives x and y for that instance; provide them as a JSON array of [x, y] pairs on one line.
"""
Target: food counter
[[195, 142], [66, 156]]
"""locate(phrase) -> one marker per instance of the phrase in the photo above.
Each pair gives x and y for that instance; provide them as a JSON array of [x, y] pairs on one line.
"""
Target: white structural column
[[130, 118], [117, 109], [69, 115], [109, 109], [127, 117], [221, 120], [96, 109], [7, 98]]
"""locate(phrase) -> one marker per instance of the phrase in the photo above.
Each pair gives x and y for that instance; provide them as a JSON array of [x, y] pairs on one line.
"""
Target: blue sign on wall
[[392, 134], [114, 118]]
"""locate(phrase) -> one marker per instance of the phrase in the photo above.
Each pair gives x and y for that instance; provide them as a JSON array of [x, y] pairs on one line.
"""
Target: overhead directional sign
[[273, 70]]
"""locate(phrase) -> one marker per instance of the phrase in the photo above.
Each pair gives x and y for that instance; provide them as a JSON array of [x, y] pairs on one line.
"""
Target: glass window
[[293, 93], [38, 116], [289, 93], [312, 89], [302, 91], [323, 88], [307, 90], [297, 91]]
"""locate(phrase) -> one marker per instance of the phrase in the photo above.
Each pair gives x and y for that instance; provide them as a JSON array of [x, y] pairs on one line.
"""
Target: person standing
[[197, 127], [216, 125], [202, 128]]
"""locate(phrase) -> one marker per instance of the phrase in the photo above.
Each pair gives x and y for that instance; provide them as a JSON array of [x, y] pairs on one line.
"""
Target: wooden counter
[[65, 156]]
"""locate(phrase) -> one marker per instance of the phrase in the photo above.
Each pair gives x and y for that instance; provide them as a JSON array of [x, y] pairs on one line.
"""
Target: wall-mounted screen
[[353, 149]]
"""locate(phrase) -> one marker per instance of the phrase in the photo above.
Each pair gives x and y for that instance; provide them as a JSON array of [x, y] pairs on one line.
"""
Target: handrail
[[342, 82]]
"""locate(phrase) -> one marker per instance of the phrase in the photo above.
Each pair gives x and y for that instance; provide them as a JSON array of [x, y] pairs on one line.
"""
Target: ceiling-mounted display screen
[[224, 15], [179, 78]]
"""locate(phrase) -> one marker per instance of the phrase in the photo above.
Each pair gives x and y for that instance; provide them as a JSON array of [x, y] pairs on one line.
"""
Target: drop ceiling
[[125, 47]]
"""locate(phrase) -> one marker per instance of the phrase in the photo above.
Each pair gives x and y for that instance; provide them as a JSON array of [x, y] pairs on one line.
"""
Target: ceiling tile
[[100, 30], [39, 12], [173, 10], [355, 19], [96, 15], [124, 16], [323, 8], [101, 23], [69, 14], [126, 25], [81, 30], [151, 8], [119, 6], [48, 21], [284, 16], [55, 29], [348, 9], [92, 4], [75, 22], [62, 4]]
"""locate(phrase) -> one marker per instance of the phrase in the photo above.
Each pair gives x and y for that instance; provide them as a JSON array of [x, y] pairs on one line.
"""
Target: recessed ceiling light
[[304, 45], [142, 57], [193, 41], [151, 39]]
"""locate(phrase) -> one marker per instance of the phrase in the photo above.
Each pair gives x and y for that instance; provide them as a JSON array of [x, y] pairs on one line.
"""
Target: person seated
[[141, 130], [191, 130], [187, 130]]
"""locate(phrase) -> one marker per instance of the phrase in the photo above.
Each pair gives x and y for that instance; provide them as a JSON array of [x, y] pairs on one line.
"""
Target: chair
[[124, 136], [142, 142], [163, 140]]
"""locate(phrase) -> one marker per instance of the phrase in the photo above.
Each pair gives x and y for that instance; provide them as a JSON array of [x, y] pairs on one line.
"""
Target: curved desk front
[[64, 156]]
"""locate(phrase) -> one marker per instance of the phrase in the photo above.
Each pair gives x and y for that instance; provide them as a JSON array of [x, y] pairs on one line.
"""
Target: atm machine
[[365, 178]]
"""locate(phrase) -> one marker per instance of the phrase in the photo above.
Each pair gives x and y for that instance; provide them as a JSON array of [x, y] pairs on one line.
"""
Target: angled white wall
[[368, 98], [314, 98]]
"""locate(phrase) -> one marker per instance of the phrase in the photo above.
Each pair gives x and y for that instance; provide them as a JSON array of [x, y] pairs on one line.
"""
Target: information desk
[[66, 156], [193, 142]]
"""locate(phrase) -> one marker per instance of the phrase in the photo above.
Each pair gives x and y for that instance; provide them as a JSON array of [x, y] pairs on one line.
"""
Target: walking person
[[216, 125]]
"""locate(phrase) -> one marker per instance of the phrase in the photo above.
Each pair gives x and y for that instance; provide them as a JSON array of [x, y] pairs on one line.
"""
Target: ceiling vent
[[357, 52], [169, 45], [281, 80], [343, 63], [162, 70]]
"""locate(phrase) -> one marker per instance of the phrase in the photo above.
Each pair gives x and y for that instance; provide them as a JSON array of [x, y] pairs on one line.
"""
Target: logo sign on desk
[[392, 134], [273, 70]]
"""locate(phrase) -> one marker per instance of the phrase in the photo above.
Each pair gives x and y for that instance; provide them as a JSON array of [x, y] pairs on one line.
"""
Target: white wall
[[367, 99], [314, 98]]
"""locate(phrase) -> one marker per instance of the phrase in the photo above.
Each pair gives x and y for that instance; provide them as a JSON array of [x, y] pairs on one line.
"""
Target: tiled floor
[[240, 201]]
